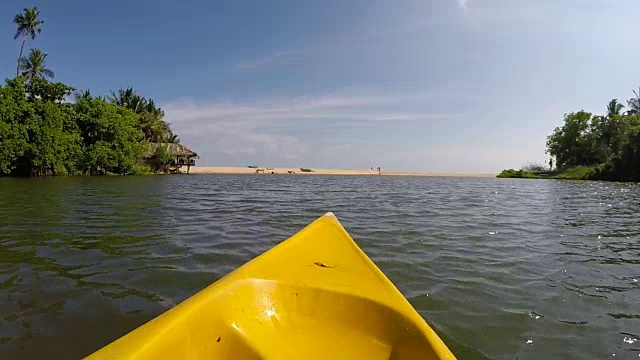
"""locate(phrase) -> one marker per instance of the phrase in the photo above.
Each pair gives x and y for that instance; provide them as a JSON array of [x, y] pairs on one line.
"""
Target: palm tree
[[28, 26], [173, 138], [33, 66], [154, 128], [634, 103], [151, 121], [82, 94], [614, 108], [129, 99]]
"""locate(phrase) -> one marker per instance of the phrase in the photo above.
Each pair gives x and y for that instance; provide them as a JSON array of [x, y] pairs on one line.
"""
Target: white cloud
[[268, 129], [462, 4], [280, 57]]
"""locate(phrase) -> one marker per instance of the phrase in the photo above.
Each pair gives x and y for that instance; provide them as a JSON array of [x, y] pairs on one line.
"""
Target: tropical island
[[592, 147], [50, 128]]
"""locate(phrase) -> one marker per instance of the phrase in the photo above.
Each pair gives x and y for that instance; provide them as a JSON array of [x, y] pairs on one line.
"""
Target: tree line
[[46, 131], [595, 147], [608, 145]]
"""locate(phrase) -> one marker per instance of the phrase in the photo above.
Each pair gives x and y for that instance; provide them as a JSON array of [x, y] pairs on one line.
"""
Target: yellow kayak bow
[[313, 296]]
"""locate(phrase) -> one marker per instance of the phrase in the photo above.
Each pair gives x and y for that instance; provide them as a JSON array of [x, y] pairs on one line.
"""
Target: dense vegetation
[[42, 133], [517, 174], [597, 147]]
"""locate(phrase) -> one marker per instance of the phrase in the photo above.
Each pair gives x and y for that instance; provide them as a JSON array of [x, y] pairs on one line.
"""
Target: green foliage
[[110, 137], [47, 91], [140, 170], [151, 123], [42, 135], [577, 173], [572, 144], [34, 132], [634, 103], [28, 25], [33, 65], [14, 136], [535, 168], [163, 155], [517, 174], [605, 147]]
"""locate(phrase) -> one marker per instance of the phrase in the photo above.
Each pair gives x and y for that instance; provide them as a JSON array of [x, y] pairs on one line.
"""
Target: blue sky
[[442, 85]]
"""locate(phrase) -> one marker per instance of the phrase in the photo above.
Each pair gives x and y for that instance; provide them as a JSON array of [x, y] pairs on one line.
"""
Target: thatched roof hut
[[173, 149], [180, 156]]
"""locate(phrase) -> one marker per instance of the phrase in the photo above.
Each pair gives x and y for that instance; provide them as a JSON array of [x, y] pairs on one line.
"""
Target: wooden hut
[[175, 157]]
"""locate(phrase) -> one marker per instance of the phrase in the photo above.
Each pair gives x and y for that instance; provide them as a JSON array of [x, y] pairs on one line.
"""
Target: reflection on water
[[500, 268]]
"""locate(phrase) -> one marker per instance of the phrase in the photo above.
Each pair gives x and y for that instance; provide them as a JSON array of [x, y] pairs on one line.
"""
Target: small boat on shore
[[252, 166], [306, 170], [313, 296]]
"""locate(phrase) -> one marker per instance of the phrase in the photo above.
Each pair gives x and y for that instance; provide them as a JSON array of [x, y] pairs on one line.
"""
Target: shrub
[[519, 174], [578, 173], [140, 170]]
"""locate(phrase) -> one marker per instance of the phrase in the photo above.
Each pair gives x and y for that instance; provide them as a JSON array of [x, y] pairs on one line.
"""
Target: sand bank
[[296, 171]]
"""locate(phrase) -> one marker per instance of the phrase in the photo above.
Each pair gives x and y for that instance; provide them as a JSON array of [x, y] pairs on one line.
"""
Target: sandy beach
[[296, 171]]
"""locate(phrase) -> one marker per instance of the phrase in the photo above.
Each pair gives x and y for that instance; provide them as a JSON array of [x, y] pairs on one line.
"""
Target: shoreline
[[230, 170]]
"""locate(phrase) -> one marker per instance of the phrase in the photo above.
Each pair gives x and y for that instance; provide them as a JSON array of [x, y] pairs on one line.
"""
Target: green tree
[[153, 124], [634, 103], [572, 144], [34, 65], [29, 26], [111, 138], [624, 165], [614, 108], [48, 91], [163, 157], [82, 94], [38, 131], [14, 137], [129, 99], [172, 138], [151, 121]]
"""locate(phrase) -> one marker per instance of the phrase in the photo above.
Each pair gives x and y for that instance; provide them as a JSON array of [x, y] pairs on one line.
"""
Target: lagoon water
[[500, 268]]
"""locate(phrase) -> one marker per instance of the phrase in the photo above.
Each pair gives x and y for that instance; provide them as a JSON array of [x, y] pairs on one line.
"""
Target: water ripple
[[500, 268]]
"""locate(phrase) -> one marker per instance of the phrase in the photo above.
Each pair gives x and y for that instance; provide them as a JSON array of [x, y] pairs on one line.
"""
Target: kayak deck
[[313, 296]]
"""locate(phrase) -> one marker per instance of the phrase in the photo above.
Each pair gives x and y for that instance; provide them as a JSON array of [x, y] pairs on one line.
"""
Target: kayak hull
[[313, 296]]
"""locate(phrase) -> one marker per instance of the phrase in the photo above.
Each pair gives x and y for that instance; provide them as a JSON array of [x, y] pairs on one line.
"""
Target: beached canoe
[[313, 296]]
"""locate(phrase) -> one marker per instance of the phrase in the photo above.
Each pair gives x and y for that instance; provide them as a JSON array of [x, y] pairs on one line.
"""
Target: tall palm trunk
[[20, 56]]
